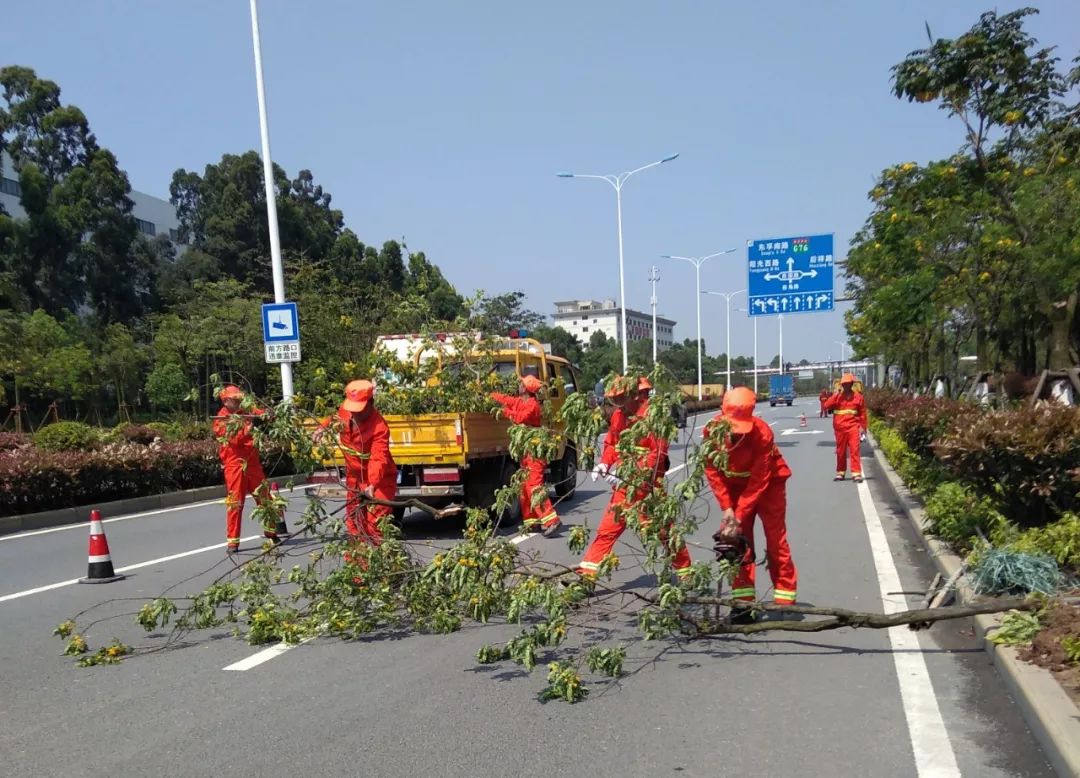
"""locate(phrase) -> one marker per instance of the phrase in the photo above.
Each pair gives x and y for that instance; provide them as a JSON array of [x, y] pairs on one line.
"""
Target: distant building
[[153, 216], [585, 317]]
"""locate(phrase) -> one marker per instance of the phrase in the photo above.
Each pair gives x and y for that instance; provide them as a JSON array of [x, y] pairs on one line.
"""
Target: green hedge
[[1014, 475], [34, 480]]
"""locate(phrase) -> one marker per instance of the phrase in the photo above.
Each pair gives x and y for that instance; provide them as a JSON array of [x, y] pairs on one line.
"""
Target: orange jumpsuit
[[527, 410], [755, 484], [609, 456], [243, 472], [822, 413], [366, 446], [849, 420], [654, 460]]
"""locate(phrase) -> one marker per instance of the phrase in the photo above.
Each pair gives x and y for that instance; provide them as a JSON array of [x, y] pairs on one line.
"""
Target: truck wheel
[[399, 517], [789, 403], [566, 475]]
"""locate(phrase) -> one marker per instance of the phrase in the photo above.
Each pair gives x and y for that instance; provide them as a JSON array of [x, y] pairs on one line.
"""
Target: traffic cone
[[802, 420], [99, 565], [282, 529]]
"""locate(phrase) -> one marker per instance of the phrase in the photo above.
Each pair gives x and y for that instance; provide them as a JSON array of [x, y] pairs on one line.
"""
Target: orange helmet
[[532, 384], [231, 392], [357, 395], [644, 384], [738, 409], [618, 387], [847, 378]]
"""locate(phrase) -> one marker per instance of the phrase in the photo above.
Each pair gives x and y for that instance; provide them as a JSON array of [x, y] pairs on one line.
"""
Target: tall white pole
[[755, 356], [697, 288], [654, 276], [727, 309], [781, 365], [271, 200], [622, 282]]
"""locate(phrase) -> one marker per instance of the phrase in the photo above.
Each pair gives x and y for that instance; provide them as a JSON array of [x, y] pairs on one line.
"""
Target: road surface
[[831, 704]]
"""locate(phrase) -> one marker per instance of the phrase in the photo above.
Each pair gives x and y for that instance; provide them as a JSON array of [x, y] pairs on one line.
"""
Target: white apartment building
[[153, 216], [582, 318]]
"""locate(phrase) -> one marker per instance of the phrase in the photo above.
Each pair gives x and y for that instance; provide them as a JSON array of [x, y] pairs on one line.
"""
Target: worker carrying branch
[[849, 425], [752, 483], [370, 471], [537, 512], [631, 398], [240, 462]]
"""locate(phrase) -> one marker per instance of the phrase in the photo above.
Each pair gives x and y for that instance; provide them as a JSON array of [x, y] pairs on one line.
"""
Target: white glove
[[862, 437], [600, 471], [612, 479]]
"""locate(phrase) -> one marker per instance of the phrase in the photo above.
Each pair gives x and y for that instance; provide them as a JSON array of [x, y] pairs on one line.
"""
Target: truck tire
[[565, 475], [399, 518], [789, 403]]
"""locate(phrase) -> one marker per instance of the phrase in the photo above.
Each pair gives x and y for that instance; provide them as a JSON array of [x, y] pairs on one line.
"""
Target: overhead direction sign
[[281, 332], [790, 275]]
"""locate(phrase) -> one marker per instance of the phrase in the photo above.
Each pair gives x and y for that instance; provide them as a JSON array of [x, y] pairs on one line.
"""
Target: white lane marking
[[519, 539], [929, 739], [126, 517], [136, 566], [797, 431], [264, 656]]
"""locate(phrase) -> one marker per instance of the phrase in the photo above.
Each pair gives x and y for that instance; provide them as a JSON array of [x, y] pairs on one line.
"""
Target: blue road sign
[[280, 323], [790, 275]]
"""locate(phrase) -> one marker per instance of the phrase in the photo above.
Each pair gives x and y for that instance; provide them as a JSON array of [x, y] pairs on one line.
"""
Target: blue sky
[[446, 122]]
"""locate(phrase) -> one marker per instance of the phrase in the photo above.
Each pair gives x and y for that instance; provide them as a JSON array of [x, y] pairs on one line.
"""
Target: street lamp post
[[654, 276], [727, 310], [697, 262], [843, 351], [617, 182], [268, 182]]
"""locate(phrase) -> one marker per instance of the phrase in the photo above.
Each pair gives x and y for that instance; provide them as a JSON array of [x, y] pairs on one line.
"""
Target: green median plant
[[66, 436]]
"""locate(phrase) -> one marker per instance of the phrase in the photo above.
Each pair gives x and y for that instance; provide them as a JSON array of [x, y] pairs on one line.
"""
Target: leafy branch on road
[[326, 584]]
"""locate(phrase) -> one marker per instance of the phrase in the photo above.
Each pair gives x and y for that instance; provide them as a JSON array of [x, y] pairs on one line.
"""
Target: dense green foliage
[[978, 253]]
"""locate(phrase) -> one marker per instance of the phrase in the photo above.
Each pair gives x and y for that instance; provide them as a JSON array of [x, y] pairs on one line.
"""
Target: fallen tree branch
[[840, 618]]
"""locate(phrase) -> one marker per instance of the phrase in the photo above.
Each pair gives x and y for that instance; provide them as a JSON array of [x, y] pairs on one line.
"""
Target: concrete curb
[[1049, 712], [64, 516]]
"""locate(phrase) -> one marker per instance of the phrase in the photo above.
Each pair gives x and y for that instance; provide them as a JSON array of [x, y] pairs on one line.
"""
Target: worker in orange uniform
[[822, 397], [753, 483], [634, 404], [243, 471], [369, 467], [526, 409], [616, 424], [849, 425]]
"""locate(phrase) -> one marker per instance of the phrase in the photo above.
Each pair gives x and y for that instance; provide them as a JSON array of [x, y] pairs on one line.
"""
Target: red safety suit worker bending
[[369, 467], [240, 462], [634, 402], [617, 422], [849, 423], [753, 483], [526, 409]]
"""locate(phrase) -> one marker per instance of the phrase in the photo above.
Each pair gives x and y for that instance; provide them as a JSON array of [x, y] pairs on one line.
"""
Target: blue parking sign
[[790, 275]]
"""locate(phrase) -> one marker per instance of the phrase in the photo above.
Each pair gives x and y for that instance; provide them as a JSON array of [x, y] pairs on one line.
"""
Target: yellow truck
[[447, 459]]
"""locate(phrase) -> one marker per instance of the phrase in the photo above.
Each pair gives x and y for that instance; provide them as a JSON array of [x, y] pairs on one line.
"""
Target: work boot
[[551, 530], [743, 615], [282, 529], [857, 478], [273, 538], [231, 549], [838, 477]]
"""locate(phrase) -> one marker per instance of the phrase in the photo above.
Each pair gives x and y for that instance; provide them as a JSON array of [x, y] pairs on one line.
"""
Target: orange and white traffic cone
[[99, 565], [802, 420]]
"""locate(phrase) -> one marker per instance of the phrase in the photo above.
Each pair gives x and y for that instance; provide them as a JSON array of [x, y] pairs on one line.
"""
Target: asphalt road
[[830, 704]]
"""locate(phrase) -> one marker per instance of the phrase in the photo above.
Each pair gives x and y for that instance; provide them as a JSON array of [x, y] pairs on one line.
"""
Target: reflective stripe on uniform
[[736, 593], [781, 594], [845, 412], [734, 474], [590, 566]]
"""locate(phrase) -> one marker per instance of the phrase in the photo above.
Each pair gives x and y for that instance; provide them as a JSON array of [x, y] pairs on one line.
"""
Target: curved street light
[[727, 308], [697, 262], [617, 182]]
